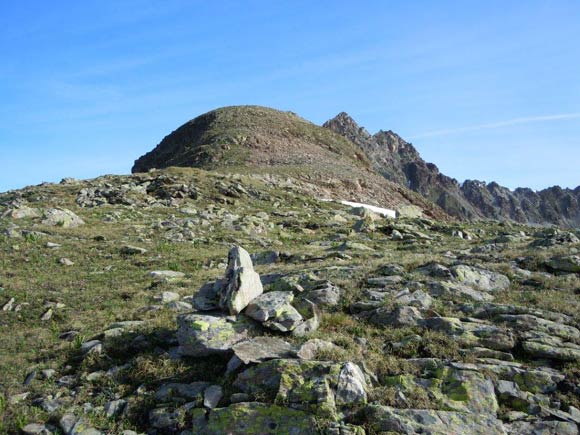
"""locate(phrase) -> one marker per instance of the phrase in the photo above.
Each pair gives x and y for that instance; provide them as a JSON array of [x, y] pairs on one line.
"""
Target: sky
[[487, 90]]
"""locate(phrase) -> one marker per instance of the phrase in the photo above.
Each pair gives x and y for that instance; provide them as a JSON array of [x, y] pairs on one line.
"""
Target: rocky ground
[[193, 302]]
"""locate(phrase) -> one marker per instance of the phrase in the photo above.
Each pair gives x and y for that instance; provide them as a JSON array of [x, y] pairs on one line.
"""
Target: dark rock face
[[398, 161]]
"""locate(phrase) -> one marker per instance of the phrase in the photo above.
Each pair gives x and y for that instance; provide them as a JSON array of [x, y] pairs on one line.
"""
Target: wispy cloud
[[499, 124]]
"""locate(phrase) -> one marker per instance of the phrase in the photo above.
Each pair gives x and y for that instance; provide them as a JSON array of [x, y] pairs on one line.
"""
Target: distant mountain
[[262, 140], [398, 161]]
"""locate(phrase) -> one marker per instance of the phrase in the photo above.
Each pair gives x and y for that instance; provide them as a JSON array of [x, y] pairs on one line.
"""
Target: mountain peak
[[346, 126]]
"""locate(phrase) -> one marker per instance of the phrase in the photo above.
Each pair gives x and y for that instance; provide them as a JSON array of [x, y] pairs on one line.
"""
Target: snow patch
[[383, 211]]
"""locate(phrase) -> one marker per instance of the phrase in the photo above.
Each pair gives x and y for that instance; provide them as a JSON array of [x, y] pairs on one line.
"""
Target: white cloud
[[499, 124]]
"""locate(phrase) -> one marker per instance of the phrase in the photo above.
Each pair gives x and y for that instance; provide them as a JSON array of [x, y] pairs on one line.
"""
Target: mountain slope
[[398, 161], [263, 140]]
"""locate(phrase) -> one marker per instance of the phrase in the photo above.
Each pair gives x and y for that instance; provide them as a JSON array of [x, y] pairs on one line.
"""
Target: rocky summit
[[284, 279]]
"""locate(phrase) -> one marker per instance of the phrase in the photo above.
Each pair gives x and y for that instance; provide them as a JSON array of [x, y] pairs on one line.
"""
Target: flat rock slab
[[206, 334], [257, 418], [428, 421], [261, 349]]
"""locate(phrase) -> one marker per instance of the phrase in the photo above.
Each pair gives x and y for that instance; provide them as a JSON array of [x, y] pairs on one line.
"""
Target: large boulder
[[206, 334], [61, 217], [480, 279], [313, 386], [566, 263], [243, 283], [261, 349]]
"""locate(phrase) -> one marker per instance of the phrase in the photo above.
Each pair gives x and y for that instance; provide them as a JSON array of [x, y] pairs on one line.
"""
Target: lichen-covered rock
[[257, 418], [454, 290], [542, 427], [305, 385], [274, 310], [205, 334], [450, 388], [480, 279], [471, 334], [541, 345], [566, 263], [268, 305], [61, 217], [432, 422], [311, 317]]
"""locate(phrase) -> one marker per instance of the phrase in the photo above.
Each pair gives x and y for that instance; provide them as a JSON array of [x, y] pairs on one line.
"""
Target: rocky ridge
[[399, 161]]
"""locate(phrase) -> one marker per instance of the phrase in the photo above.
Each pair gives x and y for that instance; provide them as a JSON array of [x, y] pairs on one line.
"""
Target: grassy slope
[[104, 286]]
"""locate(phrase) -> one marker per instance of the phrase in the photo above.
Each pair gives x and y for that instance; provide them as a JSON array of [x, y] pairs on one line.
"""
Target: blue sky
[[487, 90]]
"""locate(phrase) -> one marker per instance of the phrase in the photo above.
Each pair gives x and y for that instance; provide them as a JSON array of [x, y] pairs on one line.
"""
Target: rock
[[480, 279], [243, 285], [450, 387], [166, 275], [268, 305], [400, 316], [115, 407], [354, 246], [555, 238], [261, 349], [409, 211], [541, 345], [8, 306], [61, 217], [434, 270], [192, 393], [453, 290], [66, 262], [167, 297], [428, 421], [93, 346], [540, 427], [305, 385], [207, 298], [29, 378], [323, 294], [472, 334], [566, 263], [212, 396], [311, 348], [164, 419], [396, 235], [38, 429], [201, 335], [22, 212], [132, 250], [352, 387], [384, 281], [267, 257], [258, 418], [179, 306], [47, 315], [309, 311]]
